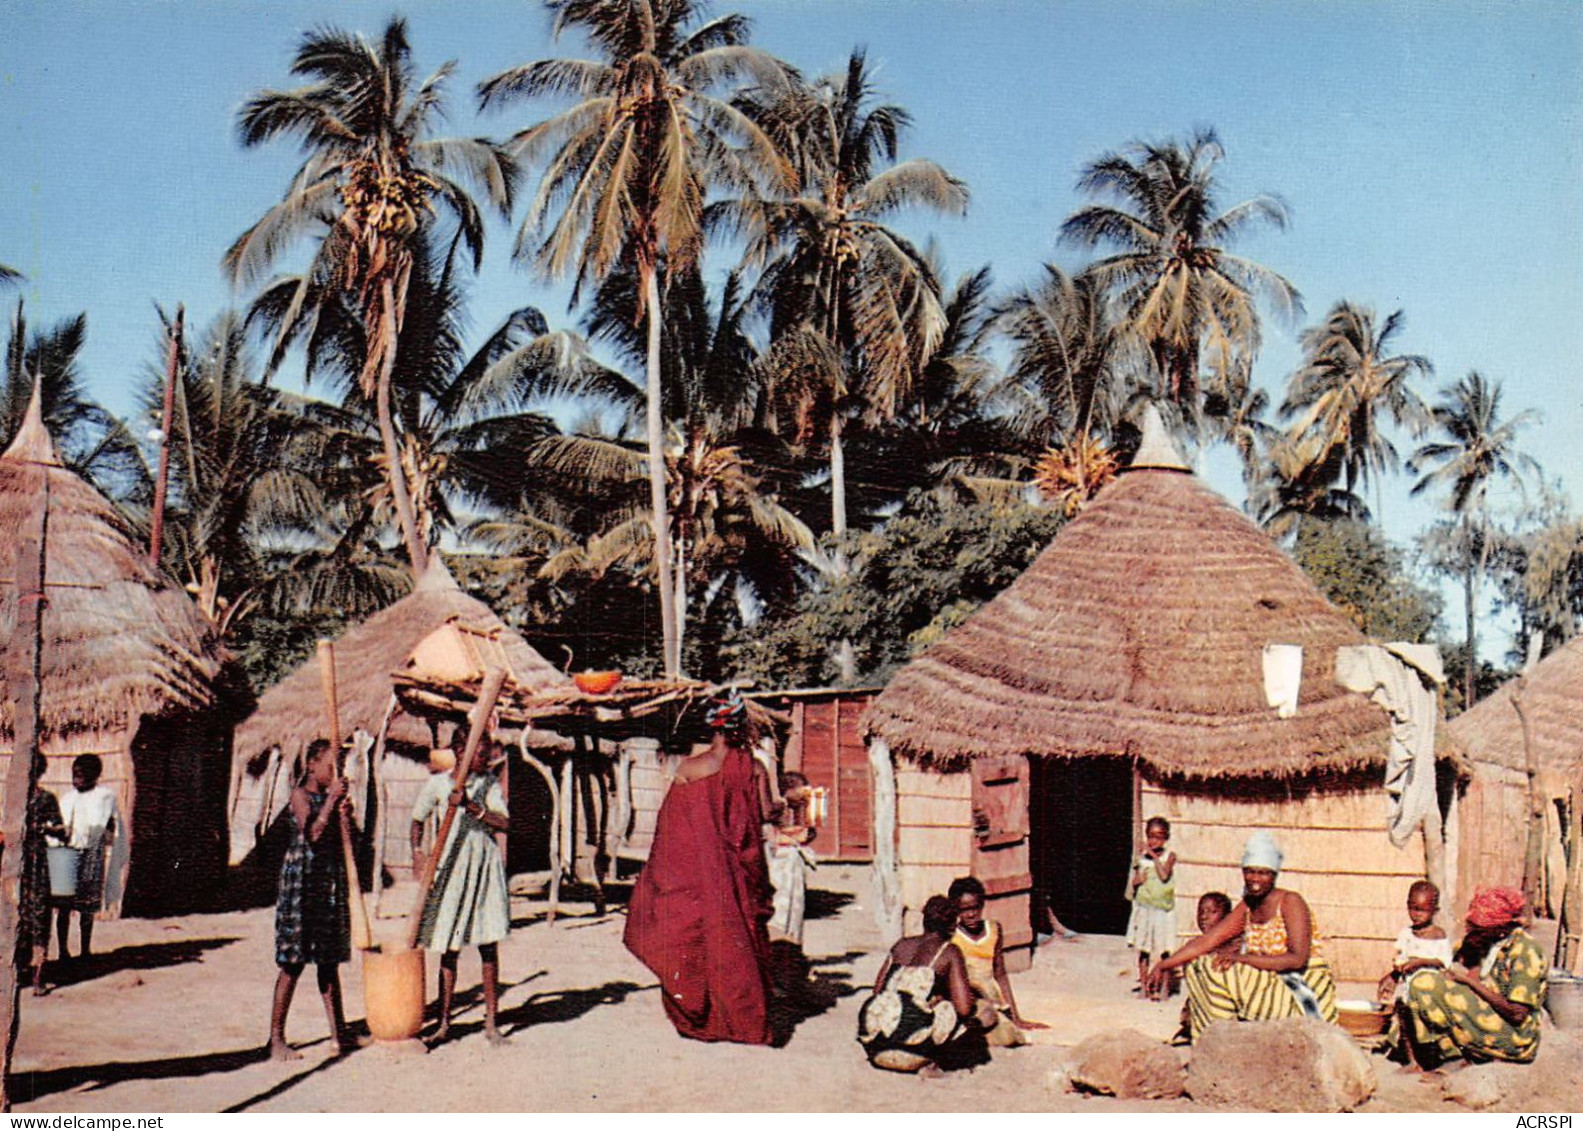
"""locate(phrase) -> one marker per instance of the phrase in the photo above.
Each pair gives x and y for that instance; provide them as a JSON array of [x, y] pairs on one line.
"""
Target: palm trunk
[[670, 635], [400, 496], [1470, 596], [838, 492], [681, 593]]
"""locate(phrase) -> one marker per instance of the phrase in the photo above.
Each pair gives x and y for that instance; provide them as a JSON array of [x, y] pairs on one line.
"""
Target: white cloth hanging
[[1403, 679], [1283, 677]]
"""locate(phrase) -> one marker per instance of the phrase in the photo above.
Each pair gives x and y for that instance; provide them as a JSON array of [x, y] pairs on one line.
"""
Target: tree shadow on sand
[[143, 956], [28, 1086]]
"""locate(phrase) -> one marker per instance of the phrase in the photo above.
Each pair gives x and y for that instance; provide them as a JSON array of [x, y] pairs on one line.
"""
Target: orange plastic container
[[596, 683]]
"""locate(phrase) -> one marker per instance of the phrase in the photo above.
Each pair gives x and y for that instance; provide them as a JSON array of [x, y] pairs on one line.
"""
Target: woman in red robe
[[698, 911]]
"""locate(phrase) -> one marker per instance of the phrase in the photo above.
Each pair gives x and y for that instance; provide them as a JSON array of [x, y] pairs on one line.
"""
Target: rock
[[1294, 1065], [1481, 1086], [1127, 1064]]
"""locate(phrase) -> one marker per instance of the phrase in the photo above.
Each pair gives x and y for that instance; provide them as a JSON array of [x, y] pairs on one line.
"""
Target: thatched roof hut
[[1502, 750], [1122, 677], [292, 713], [129, 672]]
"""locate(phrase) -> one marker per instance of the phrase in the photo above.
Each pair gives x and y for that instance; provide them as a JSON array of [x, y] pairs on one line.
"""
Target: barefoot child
[[1152, 889], [1213, 906], [979, 940], [92, 825], [312, 917], [1423, 943], [468, 904], [43, 830]]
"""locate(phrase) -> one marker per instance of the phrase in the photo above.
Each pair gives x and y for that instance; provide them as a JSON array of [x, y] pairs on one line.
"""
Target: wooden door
[[1000, 851], [828, 749]]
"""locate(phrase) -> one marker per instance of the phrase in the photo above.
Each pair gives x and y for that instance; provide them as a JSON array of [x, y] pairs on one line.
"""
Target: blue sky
[[1431, 154]]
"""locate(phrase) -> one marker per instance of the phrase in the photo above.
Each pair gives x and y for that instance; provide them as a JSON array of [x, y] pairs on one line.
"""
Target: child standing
[[1422, 943], [43, 829], [1152, 889], [468, 904], [92, 824], [312, 916]]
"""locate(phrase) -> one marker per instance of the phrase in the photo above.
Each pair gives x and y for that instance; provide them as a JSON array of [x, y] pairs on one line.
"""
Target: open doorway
[[1080, 839]]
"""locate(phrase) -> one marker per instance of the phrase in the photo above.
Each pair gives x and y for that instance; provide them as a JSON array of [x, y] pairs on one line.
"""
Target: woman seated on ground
[[1486, 1005], [1278, 972], [920, 1015], [980, 941]]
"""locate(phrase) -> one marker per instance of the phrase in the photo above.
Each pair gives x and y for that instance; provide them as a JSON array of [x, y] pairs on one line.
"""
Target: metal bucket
[[63, 863], [1565, 1000]]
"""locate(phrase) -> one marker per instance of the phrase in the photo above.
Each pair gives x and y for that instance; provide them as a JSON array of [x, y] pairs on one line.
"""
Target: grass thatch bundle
[[120, 641], [1139, 633], [1552, 699], [291, 713]]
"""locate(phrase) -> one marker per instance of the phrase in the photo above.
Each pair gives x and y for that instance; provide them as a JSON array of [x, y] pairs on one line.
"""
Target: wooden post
[[887, 879], [555, 822], [1572, 900], [156, 529], [381, 793], [494, 679], [362, 936], [1533, 855], [22, 678]]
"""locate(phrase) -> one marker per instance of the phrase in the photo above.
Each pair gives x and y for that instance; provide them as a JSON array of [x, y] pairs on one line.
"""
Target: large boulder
[[1483, 1086], [1294, 1065], [1127, 1064]]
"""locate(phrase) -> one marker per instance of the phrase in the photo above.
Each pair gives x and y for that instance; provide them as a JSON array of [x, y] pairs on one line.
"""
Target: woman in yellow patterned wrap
[[1278, 970], [1487, 1007]]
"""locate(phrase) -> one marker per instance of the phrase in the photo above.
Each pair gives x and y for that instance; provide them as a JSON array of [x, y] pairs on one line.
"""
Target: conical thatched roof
[[1552, 698], [120, 641], [1139, 632], [291, 713]]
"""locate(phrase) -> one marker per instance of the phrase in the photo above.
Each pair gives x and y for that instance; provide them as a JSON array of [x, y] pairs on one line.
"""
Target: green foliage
[[922, 573], [1366, 577], [270, 645]]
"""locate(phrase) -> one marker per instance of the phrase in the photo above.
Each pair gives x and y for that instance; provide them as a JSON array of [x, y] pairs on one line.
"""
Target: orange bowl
[[1363, 1023], [596, 683]]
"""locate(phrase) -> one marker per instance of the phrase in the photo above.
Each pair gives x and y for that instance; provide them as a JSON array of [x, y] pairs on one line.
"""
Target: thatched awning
[[291, 713], [1139, 633], [1552, 698], [120, 640]]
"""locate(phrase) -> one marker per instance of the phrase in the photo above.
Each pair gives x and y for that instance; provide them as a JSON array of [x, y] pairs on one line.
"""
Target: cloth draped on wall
[[1403, 679], [699, 908]]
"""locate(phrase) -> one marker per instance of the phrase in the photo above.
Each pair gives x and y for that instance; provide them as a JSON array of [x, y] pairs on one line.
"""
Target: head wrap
[[1495, 907], [727, 711], [442, 759], [1261, 851]]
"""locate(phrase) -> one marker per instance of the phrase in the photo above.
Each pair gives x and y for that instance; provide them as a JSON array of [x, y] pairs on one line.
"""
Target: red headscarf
[[1495, 907]]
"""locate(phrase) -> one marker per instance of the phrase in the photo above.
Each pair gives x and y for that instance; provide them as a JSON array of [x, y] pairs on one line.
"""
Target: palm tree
[[1476, 448], [1348, 382], [465, 423], [265, 490], [1179, 289], [728, 525], [372, 180], [91, 441], [9, 275], [628, 167], [855, 307]]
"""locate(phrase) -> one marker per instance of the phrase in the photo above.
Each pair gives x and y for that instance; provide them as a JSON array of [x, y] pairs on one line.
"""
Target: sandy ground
[[172, 1016]]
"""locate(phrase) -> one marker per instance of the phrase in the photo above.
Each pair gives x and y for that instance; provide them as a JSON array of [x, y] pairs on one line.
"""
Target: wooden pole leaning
[[362, 935], [494, 679], [23, 665]]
